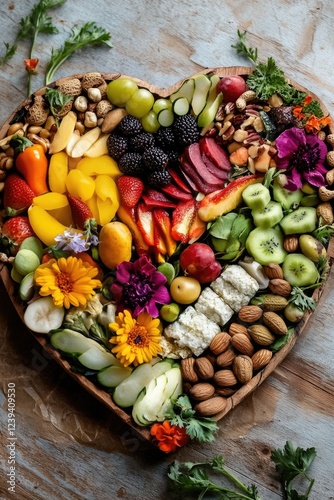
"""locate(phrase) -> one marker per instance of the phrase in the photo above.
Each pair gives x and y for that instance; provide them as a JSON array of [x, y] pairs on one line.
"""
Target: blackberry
[[141, 142], [173, 157], [155, 159], [117, 145], [131, 164], [159, 178], [186, 130], [165, 137], [130, 126]]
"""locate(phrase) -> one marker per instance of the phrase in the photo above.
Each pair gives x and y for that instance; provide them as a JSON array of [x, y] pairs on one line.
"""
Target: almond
[[261, 335], [112, 119], [202, 391], [291, 243], [188, 370], [220, 343], [261, 358], [225, 391], [275, 323], [274, 302], [280, 287], [237, 328], [204, 368], [243, 368], [249, 314], [211, 406], [242, 344], [273, 271], [226, 358], [225, 378]]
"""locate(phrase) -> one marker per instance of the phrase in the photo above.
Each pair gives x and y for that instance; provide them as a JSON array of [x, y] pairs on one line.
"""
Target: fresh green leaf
[[290, 463], [242, 48], [324, 233], [313, 108], [10, 51], [38, 20], [88, 34], [56, 100], [281, 341], [301, 300], [222, 226]]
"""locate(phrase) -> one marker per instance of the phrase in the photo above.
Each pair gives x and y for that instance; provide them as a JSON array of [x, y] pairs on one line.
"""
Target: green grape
[[161, 104], [150, 122], [166, 117], [120, 90], [140, 103]]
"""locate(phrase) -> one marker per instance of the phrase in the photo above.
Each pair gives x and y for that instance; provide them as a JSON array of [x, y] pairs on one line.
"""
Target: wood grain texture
[[69, 445]]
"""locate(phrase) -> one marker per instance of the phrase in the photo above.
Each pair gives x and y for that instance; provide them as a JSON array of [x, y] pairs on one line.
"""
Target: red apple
[[231, 87], [198, 261]]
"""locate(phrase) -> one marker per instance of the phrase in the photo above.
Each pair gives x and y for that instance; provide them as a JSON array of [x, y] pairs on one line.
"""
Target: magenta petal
[[289, 140], [161, 296], [123, 272], [315, 178], [294, 181]]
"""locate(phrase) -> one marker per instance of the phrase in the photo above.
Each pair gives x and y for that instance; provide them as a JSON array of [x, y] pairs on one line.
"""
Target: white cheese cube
[[240, 279], [235, 299], [214, 307]]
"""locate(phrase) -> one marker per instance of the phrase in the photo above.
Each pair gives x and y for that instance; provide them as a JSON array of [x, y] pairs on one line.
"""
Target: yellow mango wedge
[[51, 201], [57, 173], [99, 148], [64, 132], [80, 185], [44, 225], [102, 165]]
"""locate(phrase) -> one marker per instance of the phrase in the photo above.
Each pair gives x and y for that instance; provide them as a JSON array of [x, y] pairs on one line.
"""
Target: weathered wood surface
[[68, 445]]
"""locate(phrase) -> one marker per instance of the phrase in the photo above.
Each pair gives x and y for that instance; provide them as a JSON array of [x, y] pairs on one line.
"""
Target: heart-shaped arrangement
[[167, 247]]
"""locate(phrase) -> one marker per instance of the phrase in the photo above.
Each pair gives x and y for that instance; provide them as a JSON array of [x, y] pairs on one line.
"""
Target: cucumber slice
[[162, 366], [72, 342], [172, 391], [302, 220], [27, 287], [201, 93], [95, 359], [127, 391], [166, 117], [113, 375], [181, 106], [150, 401], [186, 90]]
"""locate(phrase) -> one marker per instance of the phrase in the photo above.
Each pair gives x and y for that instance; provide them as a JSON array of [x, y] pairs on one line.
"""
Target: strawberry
[[13, 232], [162, 224], [81, 213], [17, 195], [130, 190]]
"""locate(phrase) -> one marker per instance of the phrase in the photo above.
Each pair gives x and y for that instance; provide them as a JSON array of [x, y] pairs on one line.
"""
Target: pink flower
[[139, 287]]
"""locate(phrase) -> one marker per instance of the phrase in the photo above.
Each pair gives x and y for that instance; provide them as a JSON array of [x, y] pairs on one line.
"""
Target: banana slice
[[42, 315]]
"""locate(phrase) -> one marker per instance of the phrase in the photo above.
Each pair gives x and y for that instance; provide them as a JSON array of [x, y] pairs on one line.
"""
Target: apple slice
[[175, 192], [214, 170], [154, 199], [179, 181], [186, 90], [215, 153], [201, 93], [64, 133], [224, 200]]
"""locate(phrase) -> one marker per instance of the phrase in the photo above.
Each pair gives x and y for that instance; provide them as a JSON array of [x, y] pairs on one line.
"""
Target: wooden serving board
[[89, 386]]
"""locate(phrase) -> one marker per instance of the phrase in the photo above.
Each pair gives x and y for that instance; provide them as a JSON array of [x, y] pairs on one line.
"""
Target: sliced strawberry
[[17, 195], [81, 213], [215, 153], [163, 223], [13, 232], [145, 223], [182, 220], [128, 216], [175, 192], [182, 184], [159, 242], [156, 199], [130, 190]]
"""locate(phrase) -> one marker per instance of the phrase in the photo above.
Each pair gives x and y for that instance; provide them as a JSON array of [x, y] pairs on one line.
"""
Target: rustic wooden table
[[68, 445]]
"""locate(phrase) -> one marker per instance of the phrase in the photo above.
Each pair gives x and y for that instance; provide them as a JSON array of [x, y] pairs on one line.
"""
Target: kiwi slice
[[256, 196], [302, 220], [269, 216], [266, 245], [299, 270], [286, 197]]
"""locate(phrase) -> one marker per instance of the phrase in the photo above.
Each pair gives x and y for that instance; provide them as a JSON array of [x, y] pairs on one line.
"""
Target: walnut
[[38, 112]]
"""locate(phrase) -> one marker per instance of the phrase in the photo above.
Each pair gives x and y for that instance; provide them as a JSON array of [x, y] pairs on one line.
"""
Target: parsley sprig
[[10, 51], [200, 428], [80, 37], [267, 78], [290, 463]]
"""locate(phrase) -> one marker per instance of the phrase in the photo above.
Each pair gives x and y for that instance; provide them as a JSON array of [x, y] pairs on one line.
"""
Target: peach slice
[[224, 200]]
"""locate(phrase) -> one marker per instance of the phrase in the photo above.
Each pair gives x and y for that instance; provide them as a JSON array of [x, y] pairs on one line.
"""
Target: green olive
[[293, 313], [185, 290], [311, 247]]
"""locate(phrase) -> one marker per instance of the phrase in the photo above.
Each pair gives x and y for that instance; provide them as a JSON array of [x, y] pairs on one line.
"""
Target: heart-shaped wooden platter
[[98, 392]]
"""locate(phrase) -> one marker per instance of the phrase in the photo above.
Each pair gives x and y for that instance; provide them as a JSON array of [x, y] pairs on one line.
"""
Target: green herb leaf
[[88, 34], [290, 463], [324, 233], [56, 100], [242, 48], [281, 341], [301, 300], [10, 51]]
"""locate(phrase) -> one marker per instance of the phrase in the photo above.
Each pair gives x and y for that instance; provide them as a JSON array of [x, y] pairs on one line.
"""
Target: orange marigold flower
[[325, 120], [297, 112], [307, 101], [313, 124], [30, 64], [169, 437]]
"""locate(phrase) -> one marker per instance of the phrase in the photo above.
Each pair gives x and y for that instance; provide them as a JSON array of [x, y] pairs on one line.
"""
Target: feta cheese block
[[214, 307], [229, 294], [193, 330], [170, 349], [238, 277]]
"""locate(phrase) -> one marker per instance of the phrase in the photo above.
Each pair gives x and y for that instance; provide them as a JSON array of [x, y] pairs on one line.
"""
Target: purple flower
[[302, 156], [139, 287]]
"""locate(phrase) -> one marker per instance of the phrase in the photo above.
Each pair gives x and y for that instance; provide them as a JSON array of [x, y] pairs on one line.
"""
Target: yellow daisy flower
[[69, 281], [137, 339]]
